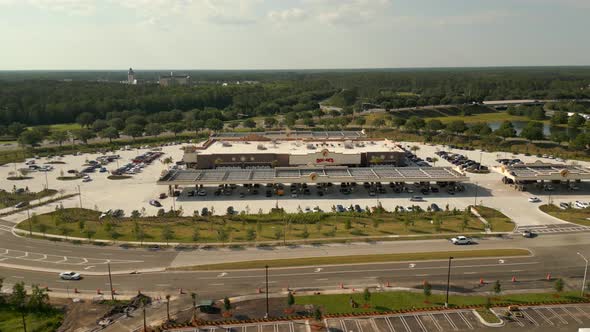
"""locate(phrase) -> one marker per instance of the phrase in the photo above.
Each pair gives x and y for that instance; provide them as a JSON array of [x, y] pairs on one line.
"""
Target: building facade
[[174, 80]]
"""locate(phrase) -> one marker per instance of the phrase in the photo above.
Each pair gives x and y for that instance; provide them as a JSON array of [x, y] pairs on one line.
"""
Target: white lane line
[[323, 279], [62, 261], [542, 315], [422, 275], [450, 321], [529, 317], [89, 267], [218, 284], [570, 314], [469, 272], [557, 316], [390, 324], [403, 320], [465, 320], [435, 321], [583, 312], [17, 277], [417, 317], [163, 285]]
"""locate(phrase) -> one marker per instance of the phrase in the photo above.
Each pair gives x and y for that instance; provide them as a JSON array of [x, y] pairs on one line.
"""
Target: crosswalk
[[555, 228]]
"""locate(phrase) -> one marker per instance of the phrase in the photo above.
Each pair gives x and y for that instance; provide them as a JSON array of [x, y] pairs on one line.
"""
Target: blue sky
[[291, 34]]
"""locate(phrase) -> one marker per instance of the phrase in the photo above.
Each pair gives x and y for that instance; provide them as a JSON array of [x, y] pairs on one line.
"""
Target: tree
[[434, 161], [196, 234], [305, 233], [559, 285], [249, 123], [214, 124], [134, 130], [19, 294], [497, 287], [15, 129], [367, 295], [85, 119], [175, 127], [196, 125], [168, 307], [43, 228], [39, 300], [222, 234], [415, 123], [89, 233], [270, 122], [110, 133], [290, 299], [30, 137], [576, 121], [317, 314], [347, 224], [226, 304], [533, 131], [378, 122], [398, 122], [427, 289], [434, 125], [58, 137], [559, 117], [153, 129], [83, 135], [117, 123], [167, 233], [506, 129], [250, 234], [457, 126], [194, 298], [99, 125]]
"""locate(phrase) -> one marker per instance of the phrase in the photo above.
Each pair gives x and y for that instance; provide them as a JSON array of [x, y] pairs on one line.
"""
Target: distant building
[[131, 77], [174, 80]]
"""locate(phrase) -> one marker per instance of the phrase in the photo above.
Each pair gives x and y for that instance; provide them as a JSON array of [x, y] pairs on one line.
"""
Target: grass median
[[498, 221], [358, 259], [255, 228], [576, 216], [388, 301]]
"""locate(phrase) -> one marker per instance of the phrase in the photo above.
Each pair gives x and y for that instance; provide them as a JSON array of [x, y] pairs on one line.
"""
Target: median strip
[[358, 259]]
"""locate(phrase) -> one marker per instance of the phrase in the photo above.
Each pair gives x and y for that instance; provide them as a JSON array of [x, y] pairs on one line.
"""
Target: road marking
[[542, 315], [529, 317], [222, 274], [417, 317], [422, 275], [435, 321], [469, 272], [501, 261], [89, 267], [516, 270], [18, 277], [412, 265], [583, 312], [389, 324], [403, 320], [570, 314], [557, 316], [322, 279], [319, 269], [163, 285], [450, 321]]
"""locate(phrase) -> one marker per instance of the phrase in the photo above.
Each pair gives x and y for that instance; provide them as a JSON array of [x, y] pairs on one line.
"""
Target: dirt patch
[[82, 315]]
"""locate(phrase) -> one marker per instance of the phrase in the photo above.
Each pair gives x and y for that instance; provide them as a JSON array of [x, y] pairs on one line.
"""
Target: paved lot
[[463, 320], [550, 318], [294, 326], [554, 228]]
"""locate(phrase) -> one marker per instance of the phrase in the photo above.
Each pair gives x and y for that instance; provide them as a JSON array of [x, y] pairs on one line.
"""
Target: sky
[[291, 34]]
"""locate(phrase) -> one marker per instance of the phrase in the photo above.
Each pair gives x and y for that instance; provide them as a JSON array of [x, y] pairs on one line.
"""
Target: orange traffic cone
[[548, 276], [513, 278], [98, 291], [481, 281]]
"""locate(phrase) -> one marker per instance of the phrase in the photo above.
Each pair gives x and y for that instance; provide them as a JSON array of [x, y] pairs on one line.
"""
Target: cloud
[[287, 15], [488, 17], [342, 12], [72, 7]]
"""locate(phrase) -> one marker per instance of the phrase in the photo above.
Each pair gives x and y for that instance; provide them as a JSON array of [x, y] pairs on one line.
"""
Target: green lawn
[[498, 221], [576, 216], [11, 320], [63, 126], [483, 117], [255, 227], [11, 199], [358, 259], [388, 301]]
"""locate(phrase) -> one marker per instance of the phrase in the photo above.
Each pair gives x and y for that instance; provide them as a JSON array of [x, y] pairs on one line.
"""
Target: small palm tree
[[194, 298], [168, 306], [434, 161]]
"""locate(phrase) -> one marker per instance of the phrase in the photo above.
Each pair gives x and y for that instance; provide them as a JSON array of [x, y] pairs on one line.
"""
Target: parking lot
[[293, 326], [549, 318], [463, 320]]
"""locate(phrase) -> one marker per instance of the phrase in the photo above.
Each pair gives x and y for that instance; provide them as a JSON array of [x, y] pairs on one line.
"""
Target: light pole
[[475, 198], [448, 282], [585, 273], [46, 181], [80, 196], [111, 281], [266, 293], [30, 221]]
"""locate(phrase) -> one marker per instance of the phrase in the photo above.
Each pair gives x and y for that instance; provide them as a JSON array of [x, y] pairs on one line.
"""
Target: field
[[253, 227], [498, 221], [358, 259], [576, 216], [11, 320], [64, 127], [388, 301], [10, 199], [483, 117]]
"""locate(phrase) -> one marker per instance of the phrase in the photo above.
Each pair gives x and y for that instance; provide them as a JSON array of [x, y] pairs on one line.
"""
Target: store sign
[[324, 160]]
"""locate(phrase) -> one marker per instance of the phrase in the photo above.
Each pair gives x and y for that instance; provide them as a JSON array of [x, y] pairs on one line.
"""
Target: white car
[[417, 199], [534, 200], [581, 205], [70, 275], [461, 240]]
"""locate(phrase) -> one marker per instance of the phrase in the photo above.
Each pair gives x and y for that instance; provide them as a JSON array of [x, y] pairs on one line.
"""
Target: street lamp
[[448, 282], [111, 281], [585, 273], [266, 274]]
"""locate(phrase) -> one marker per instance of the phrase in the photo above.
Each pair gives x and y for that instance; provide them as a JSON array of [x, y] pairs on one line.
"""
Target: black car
[[357, 208], [268, 193], [435, 207]]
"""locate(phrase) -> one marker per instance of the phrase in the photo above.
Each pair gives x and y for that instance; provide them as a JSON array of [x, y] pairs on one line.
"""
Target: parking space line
[[570, 314], [435, 321], [389, 324], [450, 321], [403, 320], [276, 328], [558, 316], [529, 317], [540, 313], [342, 325], [358, 325], [417, 317], [374, 324], [518, 321], [465, 320], [583, 312]]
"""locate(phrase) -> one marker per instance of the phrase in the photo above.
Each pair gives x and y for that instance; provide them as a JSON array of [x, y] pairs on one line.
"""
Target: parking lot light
[[448, 282], [585, 273]]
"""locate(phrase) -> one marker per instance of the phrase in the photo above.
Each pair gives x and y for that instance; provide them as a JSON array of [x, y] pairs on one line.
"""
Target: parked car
[[417, 199], [155, 203], [163, 196], [340, 208], [581, 205], [534, 200], [564, 206], [435, 207], [21, 205], [460, 240], [70, 276]]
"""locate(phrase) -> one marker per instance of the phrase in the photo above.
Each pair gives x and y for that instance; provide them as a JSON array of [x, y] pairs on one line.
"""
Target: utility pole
[[24, 320], [144, 320], [585, 273], [30, 222], [46, 181], [80, 196], [111, 281], [448, 282], [266, 274]]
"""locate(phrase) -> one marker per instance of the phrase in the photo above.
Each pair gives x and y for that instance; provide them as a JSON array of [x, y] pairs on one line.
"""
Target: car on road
[[70, 276], [21, 205], [155, 203], [417, 199], [534, 200], [528, 234], [202, 192], [459, 240], [86, 179]]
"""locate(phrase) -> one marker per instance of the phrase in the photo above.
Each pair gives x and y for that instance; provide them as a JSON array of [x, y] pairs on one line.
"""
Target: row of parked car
[[461, 161]]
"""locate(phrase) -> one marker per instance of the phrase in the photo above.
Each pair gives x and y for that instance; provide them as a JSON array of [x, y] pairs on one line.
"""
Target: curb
[[485, 322]]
